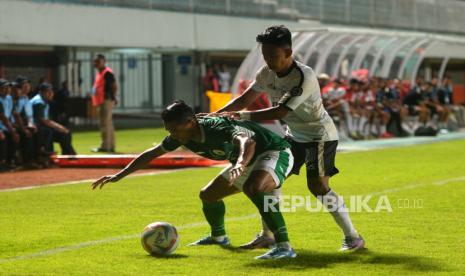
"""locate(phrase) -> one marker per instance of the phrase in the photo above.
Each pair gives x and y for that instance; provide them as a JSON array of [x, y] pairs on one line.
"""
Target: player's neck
[[287, 69], [197, 135]]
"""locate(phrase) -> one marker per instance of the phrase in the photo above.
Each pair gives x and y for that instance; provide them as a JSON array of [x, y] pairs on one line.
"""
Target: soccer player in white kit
[[293, 90]]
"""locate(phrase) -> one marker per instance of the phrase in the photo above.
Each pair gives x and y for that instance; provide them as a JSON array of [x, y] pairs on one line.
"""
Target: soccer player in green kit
[[260, 162]]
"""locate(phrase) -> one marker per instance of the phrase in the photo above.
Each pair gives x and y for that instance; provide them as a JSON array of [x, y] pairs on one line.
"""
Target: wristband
[[245, 115]]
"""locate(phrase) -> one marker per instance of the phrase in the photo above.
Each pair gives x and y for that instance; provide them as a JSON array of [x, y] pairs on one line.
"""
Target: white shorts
[[277, 163]]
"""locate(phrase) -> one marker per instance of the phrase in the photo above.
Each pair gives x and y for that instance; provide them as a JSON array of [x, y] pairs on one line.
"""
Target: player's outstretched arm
[[271, 113], [246, 153], [241, 102], [140, 162]]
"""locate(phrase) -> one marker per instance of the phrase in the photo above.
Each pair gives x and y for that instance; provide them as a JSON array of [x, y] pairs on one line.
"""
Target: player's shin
[[266, 231], [337, 208], [272, 217], [214, 213]]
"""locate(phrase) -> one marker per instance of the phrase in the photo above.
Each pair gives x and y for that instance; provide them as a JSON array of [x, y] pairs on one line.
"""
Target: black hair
[[178, 111], [20, 79], [276, 35], [101, 56], [44, 87]]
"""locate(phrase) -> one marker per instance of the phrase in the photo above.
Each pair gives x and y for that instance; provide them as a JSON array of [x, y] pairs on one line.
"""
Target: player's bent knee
[[317, 186], [259, 182], [205, 196]]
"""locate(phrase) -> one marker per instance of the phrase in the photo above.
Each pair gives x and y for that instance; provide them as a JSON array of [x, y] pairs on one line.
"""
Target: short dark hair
[[100, 56], [178, 111], [20, 80], [44, 87], [276, 35]]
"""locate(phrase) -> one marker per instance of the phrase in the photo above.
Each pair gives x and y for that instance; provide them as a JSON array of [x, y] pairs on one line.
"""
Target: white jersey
[[298, 91]]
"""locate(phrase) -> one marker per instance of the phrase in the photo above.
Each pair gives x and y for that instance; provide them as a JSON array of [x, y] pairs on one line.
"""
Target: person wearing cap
[[323, 80], [293, 90], [9, 135], [49, 131], [22, 120], [104, 98]]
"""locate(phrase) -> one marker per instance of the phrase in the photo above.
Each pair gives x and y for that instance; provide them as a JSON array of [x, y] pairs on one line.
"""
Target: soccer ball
[[160, 238]]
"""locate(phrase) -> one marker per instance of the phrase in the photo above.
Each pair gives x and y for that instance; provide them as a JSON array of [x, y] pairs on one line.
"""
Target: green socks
[[272, 216], [214, 213]]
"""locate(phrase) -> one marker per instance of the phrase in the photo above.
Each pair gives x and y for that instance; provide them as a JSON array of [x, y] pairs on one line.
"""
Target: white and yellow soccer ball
[[160, 238]]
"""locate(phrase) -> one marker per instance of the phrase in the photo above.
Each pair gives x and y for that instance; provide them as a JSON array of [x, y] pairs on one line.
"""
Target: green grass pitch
[[72, 230]]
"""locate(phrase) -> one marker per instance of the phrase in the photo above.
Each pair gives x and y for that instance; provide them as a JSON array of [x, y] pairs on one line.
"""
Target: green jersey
[[218, 135]]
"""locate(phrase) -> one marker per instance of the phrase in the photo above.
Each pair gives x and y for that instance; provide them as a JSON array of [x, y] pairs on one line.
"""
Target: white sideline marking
[[93, 179], [197, 224], [443, 182], [107, 241]]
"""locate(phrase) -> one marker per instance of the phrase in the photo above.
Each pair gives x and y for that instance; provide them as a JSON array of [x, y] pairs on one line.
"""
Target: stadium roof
[[339, 51]]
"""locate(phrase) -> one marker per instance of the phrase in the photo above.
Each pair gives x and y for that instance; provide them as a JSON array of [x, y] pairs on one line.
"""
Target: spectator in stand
[[9, 136], [35, 91], [368, 102], [352, 96], [388, 100], [22, 120], [224, 79], [445, 97], [210, 80], [414, 102], [323, 81], [436, 108], [59, 105], [49, 131], [334, 103]]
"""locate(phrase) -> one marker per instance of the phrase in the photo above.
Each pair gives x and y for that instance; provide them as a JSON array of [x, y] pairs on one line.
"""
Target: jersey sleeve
[[240, 130], [258, 84], [169, 144]]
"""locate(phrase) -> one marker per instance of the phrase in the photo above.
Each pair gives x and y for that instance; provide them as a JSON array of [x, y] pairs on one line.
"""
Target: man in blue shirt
[[8, 136], [49, 131], [22, 120]]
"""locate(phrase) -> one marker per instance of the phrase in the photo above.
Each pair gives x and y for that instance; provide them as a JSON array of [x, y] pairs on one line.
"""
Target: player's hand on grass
[[236, 172], [104, 180]]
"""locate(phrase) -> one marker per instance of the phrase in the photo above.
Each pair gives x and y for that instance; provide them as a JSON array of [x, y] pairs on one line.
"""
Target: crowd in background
[[217, 78], [30, 121], [383, 108]]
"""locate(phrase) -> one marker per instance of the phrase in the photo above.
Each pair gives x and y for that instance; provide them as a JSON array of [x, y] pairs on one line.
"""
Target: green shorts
[[277, 163]]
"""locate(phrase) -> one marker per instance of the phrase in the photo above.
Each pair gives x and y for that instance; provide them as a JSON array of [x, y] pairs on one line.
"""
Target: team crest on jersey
[[296, 91]]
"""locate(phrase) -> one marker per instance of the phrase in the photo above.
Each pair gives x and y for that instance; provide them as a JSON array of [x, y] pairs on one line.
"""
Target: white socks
[[219, 238], [332, 202], [361, 124], [286, 245], [382, 128], [335, 205]]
